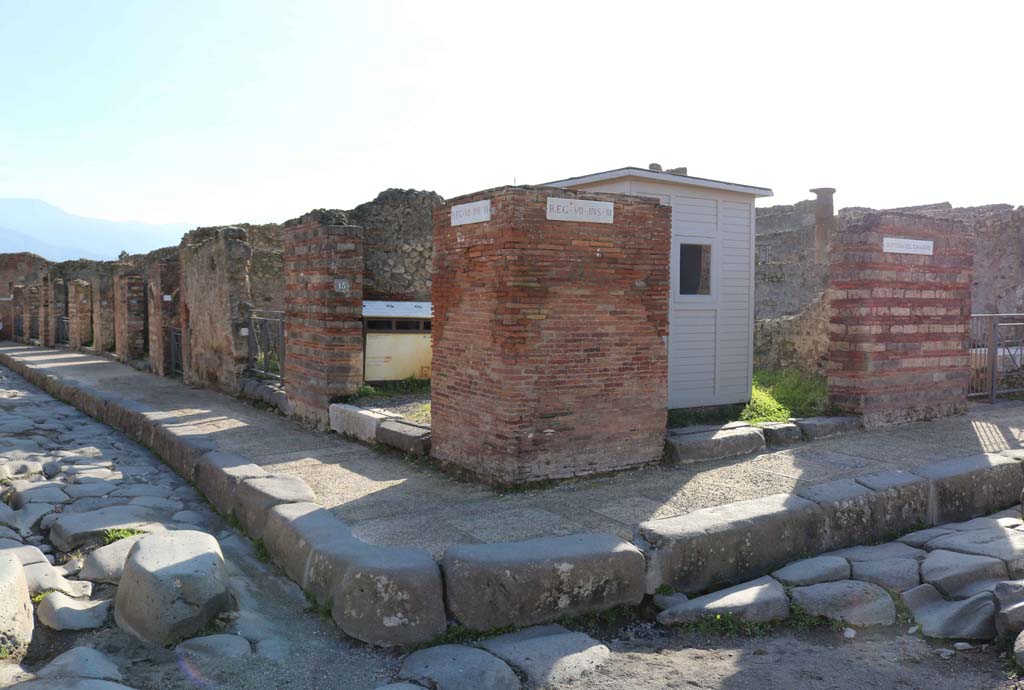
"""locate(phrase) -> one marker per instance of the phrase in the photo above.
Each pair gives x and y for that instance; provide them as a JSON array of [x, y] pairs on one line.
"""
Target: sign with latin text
[[580, 210], [902, 245], [473, 212]]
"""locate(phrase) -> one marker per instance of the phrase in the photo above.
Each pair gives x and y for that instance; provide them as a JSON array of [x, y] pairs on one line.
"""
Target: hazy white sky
[[217, 111]]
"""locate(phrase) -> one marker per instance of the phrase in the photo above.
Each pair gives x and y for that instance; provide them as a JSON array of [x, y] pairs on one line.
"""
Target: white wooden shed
[[711, 310]]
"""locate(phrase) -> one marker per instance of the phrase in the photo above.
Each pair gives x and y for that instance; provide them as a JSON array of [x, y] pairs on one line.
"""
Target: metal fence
[[61, 334], [997, 355], [266, 343], [174, 350]]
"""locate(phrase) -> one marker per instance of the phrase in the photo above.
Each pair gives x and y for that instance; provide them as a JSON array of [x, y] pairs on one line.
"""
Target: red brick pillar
[[33, 312], [79, 314], [129, 317], [103, 313], [323, 265], [900, 294], [7, 311], [19, 326], [47, 313], [164, 293], [550, 319]]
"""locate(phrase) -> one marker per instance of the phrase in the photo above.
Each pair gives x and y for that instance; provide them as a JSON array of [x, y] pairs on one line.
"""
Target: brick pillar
[[58, 298], [549, 333], [323, 264], [129, 317], [7, 310], [18, 309], [900, 317], [164, 292], [33, 312], [79, 314], [103, 314], [47, 313]]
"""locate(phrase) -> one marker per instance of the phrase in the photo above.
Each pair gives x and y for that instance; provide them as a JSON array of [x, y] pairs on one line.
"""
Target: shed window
[[694, 269]]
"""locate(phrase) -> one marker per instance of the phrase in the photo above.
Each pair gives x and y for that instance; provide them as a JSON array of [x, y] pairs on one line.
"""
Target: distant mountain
[[30, 225]]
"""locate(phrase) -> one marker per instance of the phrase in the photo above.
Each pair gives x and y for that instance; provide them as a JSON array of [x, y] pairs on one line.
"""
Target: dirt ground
[[787, 660]]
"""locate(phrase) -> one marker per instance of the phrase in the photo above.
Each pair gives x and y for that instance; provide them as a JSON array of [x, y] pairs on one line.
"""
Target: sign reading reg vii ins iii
[[580, 210]]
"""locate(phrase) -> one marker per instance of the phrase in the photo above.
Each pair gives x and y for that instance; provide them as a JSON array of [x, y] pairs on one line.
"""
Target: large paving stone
[[455, 667], [987, 522], [106, 563], [16, 620], [254, 497], [960, 575], [27, 554], [853, 512], [969, 487], [216, 646], [758, 601], [43, 577], [25, 492], [726, 442], [69, 684], [896, 574], [81, 662], [81, 529], [854, 603], [760, 535], [357, 422], [218, 476], [1004, 544], [814, 428], [538, 580], [1009, 598], [880, 552], [921, 537], [172, 586], [811, 571], [549, 655], [966, 619], [58, 611]]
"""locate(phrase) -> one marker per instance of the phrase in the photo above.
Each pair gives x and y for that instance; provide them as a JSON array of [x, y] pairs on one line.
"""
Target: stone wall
[[786, 275], [548, 337], [899, 322], [215, 305], [798, 342], [130, 318], [56, 306], [323, 312], [103, 337], [163, 296], [398, 243], [22, 268], [79, 314]]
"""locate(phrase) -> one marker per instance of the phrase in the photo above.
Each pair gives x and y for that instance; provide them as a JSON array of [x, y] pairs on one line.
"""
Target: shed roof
[[661, 176], [397, 310]]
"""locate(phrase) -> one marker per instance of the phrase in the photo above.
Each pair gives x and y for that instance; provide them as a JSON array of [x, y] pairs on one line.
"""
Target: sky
[[221, 111]]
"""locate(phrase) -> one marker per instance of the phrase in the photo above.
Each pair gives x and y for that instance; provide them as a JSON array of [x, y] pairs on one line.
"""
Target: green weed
[[119, 533], [727, 625]]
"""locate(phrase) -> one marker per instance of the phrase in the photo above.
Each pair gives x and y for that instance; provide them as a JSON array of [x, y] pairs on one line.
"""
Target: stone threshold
[[397, 596]]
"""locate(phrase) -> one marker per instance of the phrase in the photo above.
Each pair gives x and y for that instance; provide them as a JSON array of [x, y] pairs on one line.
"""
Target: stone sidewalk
[[390, 500]]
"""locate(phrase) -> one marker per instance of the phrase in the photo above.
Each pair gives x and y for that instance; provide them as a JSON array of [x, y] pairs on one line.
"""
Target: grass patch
[[119, 533], [697, 416], [386, 389], [775, 397], [459, 634], [421, 415], [727, 625], [801, 621], [38, 597], [262, 553], [323, 609]]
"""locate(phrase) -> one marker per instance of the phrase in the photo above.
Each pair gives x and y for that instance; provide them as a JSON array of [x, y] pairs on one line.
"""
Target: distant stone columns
[[824, 222]]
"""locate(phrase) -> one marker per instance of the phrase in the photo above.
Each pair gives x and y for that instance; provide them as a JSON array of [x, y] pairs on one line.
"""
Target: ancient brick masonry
[[163, 295], [79, 314], [102, 313], [899, 323], [549, 338], [323, 263], [55, 308], [130, 317]]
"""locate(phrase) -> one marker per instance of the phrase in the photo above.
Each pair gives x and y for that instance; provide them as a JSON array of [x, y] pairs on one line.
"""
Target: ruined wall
[[163, 295], [130, 318], [103, 338], [79, 314], [22, 268], [398, 243], [215, 305], [799, 341], [548, 337]]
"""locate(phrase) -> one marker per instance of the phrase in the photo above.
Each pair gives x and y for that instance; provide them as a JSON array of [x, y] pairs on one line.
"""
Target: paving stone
[[1006, 545], [758, 601], [20, 468], [137, 490], [16, 620], [983, 523], [401, 686], [25, 519], [25, 492], [1018, 651], [106, 563], [897, 574], [25, 553], [880, 552], [958, 575], [232, 646], [172, 586], [69, 684], [814, 428], [60, 612], [90, 490], [549, 655], [455, 667], [81, 662], [71, 531], [539, 580], [165, 505], [42, 577], [188, 516], [714, 445], [966, 619], [781, 433], [1009, 598], [811, 571], [921, 537], [859, 604]]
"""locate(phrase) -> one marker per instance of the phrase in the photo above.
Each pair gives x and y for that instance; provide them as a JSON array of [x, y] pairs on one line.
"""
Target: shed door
[[710, 337]]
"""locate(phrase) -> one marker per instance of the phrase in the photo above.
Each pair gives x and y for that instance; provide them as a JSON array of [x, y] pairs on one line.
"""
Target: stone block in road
[[959, 575], [254, 497], [1009, 597], [81, 662], [1005, 544], [811, 571], [16, 620], [106, 563], [58, 611], [859, 604], [538, 580], [72, 530], [172, 586], [894, 574], [726, 442], [759, 601], [814, 428], [549, 655], [455, 667], [973, 486], [967, 619]]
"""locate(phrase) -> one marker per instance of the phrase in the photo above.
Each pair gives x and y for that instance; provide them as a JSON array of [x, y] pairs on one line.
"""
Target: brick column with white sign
[[163, 297], [323, 265], [550, 320], [900, 307]]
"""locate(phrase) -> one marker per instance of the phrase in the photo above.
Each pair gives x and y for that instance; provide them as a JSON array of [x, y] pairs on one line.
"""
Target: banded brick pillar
[[129, 317], [103, 338], [549, 333], [323, 332], [79, 314], [33, 312], [164, 295], [900, 308]]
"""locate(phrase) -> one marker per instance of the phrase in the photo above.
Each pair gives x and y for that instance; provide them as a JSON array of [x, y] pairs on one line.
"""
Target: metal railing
[[266, 343], [174, 349], [19, 326], [996, 355], [61, 333]]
